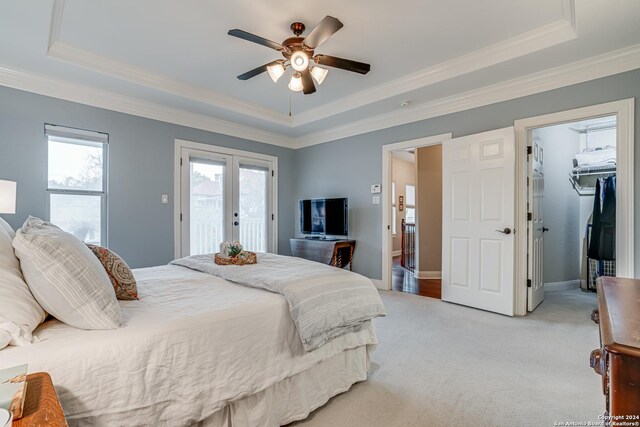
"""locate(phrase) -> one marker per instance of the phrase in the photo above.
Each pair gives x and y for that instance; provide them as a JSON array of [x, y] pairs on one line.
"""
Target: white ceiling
[[176, 57]]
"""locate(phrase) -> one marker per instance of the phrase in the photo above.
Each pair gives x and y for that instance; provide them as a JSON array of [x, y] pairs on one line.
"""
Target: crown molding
[[611, 63], [140, 76], [538, 39], [604, 65], [145, 78], [44, 85], [533, 41]]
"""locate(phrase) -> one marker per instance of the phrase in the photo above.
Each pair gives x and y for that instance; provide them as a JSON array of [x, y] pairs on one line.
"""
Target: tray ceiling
[[178, 55]]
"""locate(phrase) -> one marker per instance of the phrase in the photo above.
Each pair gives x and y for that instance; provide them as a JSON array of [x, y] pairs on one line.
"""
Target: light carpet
[[440, 364]]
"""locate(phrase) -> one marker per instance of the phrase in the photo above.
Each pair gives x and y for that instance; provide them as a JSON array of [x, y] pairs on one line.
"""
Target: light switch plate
[[376, 189], [165, 199], [375, 200]]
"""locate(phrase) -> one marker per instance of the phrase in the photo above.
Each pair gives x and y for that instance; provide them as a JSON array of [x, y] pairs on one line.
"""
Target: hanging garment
[[603, 233]]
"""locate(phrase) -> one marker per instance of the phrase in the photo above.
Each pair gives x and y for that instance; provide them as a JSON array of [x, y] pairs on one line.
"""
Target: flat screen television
[[324, 217]]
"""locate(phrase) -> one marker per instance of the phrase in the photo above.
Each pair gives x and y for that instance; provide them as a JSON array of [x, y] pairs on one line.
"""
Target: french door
[[225, 195]]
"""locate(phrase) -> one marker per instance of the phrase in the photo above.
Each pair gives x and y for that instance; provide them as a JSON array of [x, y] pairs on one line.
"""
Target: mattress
[[194, 344]]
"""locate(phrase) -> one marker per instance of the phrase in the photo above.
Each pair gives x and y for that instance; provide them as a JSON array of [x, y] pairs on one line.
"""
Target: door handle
[[236, 223], [505, 231], [544, 229]]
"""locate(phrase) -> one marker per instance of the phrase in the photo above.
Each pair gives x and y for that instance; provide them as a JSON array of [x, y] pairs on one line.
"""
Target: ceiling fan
[[299, 54]]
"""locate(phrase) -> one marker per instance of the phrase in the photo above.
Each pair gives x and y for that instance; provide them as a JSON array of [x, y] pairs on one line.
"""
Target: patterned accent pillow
[[118, 271]]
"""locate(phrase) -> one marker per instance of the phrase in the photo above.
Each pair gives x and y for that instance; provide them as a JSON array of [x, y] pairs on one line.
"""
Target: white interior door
[[535, 271], [478, 217], [225, 198]]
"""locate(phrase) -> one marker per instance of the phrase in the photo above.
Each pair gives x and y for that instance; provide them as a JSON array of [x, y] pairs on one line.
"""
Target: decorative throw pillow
[[118, 271], [20, 313], [65, 277]]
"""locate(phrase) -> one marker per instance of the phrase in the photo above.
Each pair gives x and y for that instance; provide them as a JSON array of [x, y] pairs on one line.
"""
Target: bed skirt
[[294, 398]]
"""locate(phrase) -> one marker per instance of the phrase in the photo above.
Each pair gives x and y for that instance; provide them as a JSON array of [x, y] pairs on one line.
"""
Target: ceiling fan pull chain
[[289, 104]]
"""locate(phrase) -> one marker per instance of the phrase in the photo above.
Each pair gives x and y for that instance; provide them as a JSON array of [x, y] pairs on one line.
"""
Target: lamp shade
[[275, 71], [7, 197], [319, 74], [296, 83]]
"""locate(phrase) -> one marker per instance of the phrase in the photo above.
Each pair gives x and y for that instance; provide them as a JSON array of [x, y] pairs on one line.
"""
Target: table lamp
[[7, 197]]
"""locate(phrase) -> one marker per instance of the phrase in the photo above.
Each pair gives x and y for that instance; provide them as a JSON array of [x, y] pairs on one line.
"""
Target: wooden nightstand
[[42, 407]]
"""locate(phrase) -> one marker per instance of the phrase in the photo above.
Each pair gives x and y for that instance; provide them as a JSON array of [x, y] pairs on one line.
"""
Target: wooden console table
[[338, 253], [618, 358]]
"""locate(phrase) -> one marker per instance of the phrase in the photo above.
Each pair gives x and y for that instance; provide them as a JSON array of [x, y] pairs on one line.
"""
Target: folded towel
[[603, 157]]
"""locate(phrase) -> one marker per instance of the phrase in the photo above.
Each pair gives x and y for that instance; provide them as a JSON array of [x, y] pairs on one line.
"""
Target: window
[[76, 182], [410, 202], [393, 208]]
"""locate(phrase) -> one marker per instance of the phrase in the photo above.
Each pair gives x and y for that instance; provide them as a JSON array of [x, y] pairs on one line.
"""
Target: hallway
[[404, 281]]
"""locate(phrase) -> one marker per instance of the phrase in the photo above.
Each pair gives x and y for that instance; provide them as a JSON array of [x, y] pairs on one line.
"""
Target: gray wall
[[140, 170], [402, 173], [348, 167], [429, 212], [561, 205]]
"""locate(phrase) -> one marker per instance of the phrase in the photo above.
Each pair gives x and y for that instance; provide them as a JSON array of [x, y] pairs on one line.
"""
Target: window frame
[[394, 212], [81, 137], [410, 206]]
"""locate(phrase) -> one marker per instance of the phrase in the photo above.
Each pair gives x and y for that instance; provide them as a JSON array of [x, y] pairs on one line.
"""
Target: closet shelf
[[583, 179]]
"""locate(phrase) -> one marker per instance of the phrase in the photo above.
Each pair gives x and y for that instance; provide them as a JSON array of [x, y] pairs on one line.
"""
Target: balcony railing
[[207, 236]]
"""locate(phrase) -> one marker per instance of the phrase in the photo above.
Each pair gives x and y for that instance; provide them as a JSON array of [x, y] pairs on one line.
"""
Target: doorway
[[581, 177], [416, 210], [412, 216], [572, 165], [224, 195]]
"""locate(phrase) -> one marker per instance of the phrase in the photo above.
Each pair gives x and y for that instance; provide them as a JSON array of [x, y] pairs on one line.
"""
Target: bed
[[197, 350]]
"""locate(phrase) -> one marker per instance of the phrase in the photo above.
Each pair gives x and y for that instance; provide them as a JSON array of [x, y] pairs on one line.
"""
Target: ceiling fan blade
[[307, 82], [255, 39], [261, 69], [325, 29], [345, 64]]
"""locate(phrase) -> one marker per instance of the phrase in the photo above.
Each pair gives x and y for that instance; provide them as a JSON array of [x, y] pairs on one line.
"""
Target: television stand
[[337, 253]]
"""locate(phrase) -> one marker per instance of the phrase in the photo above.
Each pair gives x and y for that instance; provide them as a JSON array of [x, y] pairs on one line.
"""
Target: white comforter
[[192, 344]]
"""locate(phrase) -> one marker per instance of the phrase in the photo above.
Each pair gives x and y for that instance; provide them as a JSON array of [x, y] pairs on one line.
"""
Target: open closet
[[575, 177]]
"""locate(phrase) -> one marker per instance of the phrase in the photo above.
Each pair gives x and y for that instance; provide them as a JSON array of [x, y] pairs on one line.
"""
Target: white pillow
[[20, 313], [65, 277], [5, 339]]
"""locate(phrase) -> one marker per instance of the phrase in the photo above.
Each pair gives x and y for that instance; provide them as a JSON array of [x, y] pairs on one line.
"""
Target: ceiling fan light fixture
[[319, 74], [296, 83], [275, 71], [299, 61]]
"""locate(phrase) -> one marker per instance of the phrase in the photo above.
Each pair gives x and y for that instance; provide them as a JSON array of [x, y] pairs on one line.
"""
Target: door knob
[[505, 231], [544, 229], [236, 223]]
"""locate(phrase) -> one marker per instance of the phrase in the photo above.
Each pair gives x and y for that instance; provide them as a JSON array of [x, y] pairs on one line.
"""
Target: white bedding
[[192, 344]]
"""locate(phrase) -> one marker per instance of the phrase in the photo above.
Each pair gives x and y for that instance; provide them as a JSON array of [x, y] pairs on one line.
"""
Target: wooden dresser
[[338, 253], [618, 358]]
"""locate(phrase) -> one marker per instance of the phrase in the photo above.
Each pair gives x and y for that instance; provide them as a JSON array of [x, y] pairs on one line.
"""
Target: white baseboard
[[379, 284], [428, 274], [561, 286], [396, 253]]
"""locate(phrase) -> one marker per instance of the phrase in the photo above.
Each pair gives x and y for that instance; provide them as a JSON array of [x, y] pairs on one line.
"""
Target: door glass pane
[[253, 208], [206, 213], [78, 215], [75, 165]]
